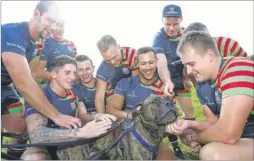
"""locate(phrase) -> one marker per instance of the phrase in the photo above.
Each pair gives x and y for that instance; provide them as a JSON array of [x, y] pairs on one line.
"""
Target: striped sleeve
[[229, 47], [237, 78], [129, 57], [109, 92]]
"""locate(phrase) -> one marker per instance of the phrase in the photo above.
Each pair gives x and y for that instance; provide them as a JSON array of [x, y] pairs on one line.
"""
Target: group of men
[[68, 103]]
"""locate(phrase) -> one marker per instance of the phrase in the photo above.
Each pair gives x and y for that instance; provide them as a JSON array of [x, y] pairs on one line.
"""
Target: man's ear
[[37, 14], [53, 74], [210, 55]]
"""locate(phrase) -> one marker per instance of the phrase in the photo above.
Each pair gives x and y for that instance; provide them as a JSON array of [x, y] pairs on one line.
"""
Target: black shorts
[[10, 100]]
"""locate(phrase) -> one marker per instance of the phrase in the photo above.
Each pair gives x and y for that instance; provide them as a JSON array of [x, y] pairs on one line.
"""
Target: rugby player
[[18, 48], [118, 62], [228, 136], [43, 130], [133, 90], [85, 87]]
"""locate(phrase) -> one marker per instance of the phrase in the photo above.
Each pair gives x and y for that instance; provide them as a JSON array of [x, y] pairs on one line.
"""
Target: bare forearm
[[200, 126], [99, 105], [50, 135], [45, 75], [116, 112], [213, 134], [164, 72], [33, 94]]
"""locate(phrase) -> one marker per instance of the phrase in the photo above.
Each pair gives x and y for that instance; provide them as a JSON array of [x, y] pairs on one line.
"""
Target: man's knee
[[211, 151], [36, 154]]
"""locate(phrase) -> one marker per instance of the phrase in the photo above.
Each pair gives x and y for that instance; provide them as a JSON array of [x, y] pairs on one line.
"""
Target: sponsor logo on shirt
[[73, 106], [132, 94], [35, 52], [217, 97], [16, 45]]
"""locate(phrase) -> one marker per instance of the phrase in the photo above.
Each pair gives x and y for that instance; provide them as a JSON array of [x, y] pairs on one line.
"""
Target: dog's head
[[157, 109]]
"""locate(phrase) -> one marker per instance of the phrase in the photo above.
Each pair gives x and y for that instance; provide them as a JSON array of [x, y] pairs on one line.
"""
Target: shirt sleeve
[[121, 87], [134, 63], [29, 110], [104, 72], [229, 47], [158, 44], [237, 78], [13, 41]]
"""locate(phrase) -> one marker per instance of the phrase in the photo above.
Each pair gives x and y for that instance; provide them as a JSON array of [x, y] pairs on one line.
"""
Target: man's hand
[[106, 117], [94, 128], [169, 88], [178, 127], [67, 121]]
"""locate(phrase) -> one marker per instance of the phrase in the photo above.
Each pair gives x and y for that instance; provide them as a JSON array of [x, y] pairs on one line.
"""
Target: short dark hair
[[60, 61], [145, 49], [196, 26], [81, 58], [199, 40], [44, 5], [105, 42]]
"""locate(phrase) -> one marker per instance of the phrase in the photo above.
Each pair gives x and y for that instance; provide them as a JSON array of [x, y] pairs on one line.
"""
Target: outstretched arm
[[39, 133]]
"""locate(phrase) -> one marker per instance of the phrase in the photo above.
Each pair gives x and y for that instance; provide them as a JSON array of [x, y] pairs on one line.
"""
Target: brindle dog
[[149, 121]]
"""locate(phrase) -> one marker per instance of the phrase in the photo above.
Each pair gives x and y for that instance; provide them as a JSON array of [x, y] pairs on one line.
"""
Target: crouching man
[[227, 133], [43, 130]]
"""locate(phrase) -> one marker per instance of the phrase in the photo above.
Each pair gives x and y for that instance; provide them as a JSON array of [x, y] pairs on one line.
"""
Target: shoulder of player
[[235, 64], [160, 35], [13, 30], [127, 81], [221, 39]]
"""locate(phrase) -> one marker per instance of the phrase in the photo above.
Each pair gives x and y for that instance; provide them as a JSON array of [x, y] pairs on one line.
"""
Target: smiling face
[[65, 76], [113, 55], [85, 71], [147, 64], [46, 21], [199, 65]]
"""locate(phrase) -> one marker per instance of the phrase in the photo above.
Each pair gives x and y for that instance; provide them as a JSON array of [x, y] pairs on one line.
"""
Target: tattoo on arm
[[39, 133]]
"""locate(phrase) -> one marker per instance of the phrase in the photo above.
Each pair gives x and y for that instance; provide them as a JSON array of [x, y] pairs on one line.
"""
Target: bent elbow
[[231, 138]]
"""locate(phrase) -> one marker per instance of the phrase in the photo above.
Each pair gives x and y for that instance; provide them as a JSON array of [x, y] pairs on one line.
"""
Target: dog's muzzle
[[168, 114]]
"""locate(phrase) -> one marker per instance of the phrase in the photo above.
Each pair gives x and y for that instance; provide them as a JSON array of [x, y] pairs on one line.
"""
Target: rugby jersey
[[134, 92], [229, 47]]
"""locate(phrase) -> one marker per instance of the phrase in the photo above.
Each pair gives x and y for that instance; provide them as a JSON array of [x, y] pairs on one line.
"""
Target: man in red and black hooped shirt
[[226, 137], [226, 46]]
